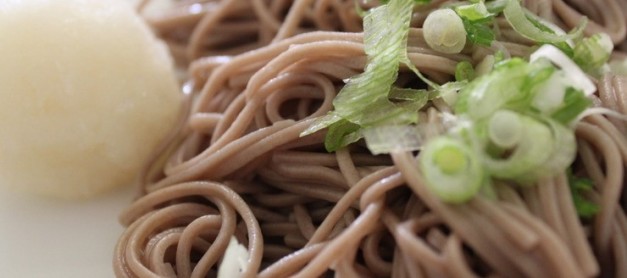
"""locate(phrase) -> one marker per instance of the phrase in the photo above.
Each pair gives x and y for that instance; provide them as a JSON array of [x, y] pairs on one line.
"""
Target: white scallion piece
[[234, 260], [577, 77], [444, 31]]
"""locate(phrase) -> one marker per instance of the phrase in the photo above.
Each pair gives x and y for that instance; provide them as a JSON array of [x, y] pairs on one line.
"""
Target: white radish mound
[[86, 94]]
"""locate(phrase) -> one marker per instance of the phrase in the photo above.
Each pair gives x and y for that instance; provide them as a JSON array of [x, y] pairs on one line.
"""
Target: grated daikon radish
[[86, 94]]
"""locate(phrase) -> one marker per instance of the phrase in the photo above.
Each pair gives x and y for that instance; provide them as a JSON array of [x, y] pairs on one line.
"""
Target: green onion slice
[[517, 18], [451, 169]]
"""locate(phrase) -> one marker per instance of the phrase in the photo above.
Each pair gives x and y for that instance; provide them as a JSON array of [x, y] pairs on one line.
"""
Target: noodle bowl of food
[[399, 138], [389, 139]]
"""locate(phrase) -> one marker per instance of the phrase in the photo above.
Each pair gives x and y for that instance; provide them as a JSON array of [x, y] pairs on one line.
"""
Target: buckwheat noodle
[[259, 72]]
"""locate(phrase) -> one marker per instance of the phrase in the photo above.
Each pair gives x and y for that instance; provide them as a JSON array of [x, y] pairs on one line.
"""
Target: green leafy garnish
[[341, 133], [579, 187], [478, 33], [364, 100], [512, 119], [464, 71], [476, 19], [389, 138]]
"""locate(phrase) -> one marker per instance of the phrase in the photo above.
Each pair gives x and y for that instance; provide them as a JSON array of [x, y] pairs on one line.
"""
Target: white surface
[[50, 238]]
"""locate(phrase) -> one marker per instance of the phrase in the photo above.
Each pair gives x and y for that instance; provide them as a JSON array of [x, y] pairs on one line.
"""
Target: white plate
[[50, 238]]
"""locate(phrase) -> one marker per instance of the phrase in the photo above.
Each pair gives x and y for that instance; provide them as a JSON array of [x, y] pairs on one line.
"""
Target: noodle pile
[[260, 71]]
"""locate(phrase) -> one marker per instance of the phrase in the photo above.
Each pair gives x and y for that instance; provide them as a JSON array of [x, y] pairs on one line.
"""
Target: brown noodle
[[261, 70]]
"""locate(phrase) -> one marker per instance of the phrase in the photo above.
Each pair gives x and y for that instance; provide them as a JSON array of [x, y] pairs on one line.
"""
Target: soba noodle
[[260, 71]]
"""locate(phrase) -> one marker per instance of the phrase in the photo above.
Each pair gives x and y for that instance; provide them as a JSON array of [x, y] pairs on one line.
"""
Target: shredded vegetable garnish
[[389, 138], [364, 101], [512, 119]]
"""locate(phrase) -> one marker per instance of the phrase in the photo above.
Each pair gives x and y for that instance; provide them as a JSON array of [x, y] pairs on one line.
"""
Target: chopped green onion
[[550, 95], [478, 32], [505, 129], [517, 18], [575, 102], [475, 17], [451, 169], [578, 78], [549, 27], [464, 71], [591, 53], [540, 73], [450, 160], [584, 207], [563, 151], [496, 6], [499, 89], [476, 12], [535, 145], [444, 31], [579, 187], [521, 86]]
